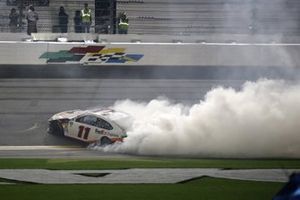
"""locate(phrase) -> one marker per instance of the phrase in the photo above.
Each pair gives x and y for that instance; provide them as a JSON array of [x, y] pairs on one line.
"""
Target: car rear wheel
[[105, 141]]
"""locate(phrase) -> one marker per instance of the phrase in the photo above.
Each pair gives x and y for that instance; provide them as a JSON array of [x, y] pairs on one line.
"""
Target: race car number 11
[[86, 132]]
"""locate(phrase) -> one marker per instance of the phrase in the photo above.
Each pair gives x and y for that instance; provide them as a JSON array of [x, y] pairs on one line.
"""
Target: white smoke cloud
[[260, 120]]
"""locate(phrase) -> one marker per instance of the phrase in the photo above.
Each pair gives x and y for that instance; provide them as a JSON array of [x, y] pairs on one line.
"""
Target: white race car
[[91, 126]]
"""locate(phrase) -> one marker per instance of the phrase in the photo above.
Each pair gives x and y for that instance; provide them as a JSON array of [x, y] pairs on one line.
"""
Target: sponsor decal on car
[[103, 132]]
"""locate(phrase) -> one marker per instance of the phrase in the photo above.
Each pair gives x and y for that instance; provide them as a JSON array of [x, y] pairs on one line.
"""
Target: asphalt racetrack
[[29, 95]]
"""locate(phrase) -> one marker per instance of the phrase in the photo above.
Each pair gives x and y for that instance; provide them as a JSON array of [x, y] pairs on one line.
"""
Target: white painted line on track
[[20, 148], [140, 176], [162, 43]]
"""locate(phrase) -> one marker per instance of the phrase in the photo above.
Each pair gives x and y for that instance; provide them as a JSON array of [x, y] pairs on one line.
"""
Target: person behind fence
[[63, 19], [77, 21], [13, 20], [123, 23], [86, 18], [32, 18]]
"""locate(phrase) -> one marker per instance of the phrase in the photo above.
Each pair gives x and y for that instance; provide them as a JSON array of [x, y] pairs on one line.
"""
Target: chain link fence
[[176, 17]]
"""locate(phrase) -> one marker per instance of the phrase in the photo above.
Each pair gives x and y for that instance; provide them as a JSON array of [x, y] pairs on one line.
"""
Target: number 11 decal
[[86, 132]]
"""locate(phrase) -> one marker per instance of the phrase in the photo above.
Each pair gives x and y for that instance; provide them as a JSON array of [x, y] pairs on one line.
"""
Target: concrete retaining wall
[[150, 53]]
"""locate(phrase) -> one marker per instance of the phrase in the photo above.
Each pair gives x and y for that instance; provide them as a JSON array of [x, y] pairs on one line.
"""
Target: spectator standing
[[77, 22], [13, 20], [32, 18], [63, 19], [86, 18], [123, 23]]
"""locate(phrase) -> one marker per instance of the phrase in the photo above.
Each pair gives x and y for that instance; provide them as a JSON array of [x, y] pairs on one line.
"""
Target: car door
[[103, 127], [83, 128]]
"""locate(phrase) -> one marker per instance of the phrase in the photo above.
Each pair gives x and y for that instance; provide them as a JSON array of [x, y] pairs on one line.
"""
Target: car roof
[[108, 113]]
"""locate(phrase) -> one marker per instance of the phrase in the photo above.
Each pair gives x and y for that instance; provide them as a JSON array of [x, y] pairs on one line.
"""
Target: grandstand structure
[[177, 17], [48, 15], [194, 17]]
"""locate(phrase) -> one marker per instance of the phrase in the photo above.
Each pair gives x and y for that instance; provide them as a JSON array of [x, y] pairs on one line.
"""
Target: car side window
[[88, 119], [103, 124]]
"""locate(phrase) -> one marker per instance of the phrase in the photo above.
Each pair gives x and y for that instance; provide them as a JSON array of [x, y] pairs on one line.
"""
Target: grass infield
[[204, 188]]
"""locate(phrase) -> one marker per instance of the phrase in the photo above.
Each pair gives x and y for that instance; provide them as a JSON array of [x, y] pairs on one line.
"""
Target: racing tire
[[55, 128], [105, 141]]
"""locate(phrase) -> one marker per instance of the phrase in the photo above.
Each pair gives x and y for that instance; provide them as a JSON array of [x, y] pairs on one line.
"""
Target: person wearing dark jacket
[[63, 19], [13, 20], [77, 22]]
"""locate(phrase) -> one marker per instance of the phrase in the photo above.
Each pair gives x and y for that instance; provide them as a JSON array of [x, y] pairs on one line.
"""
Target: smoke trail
[[260, 120]]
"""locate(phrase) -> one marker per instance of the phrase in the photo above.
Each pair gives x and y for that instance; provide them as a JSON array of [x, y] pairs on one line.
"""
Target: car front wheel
[[55, 128]]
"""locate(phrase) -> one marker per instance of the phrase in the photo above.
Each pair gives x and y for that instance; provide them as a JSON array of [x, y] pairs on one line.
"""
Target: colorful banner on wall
[[91, 55]]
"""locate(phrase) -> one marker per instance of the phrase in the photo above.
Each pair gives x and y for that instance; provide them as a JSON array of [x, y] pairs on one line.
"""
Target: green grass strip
[[124, 163], [205, 188]]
